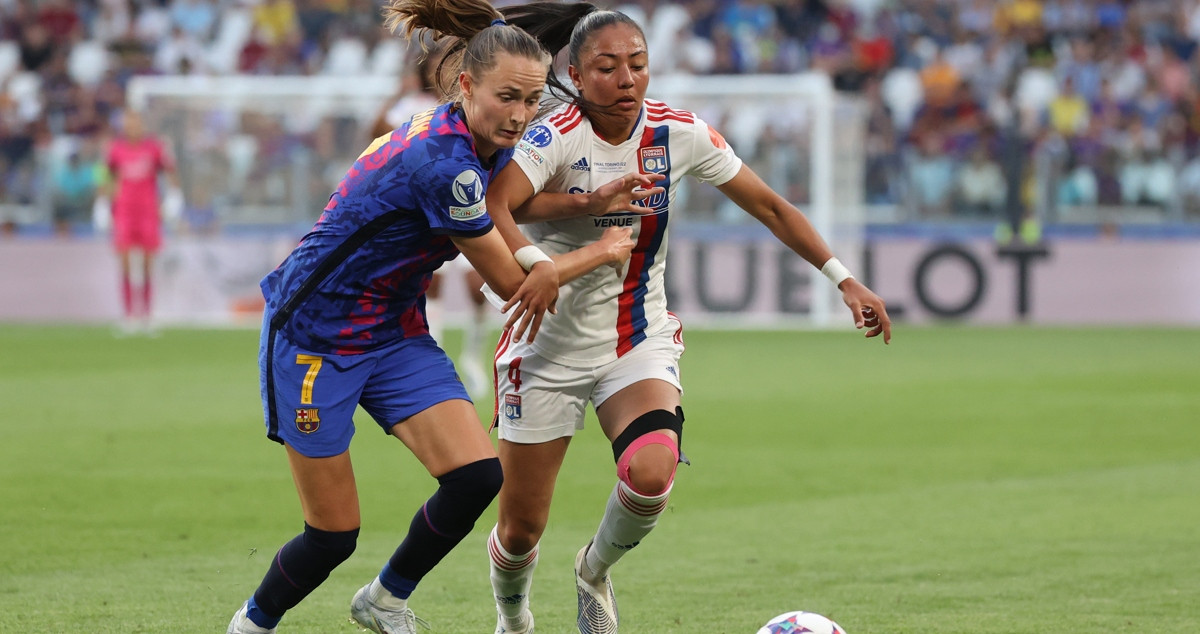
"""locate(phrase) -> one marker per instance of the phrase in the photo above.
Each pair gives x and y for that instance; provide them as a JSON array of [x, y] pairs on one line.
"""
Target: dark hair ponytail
[[474, 39], [552, 23], [558, 25], [453, 18]]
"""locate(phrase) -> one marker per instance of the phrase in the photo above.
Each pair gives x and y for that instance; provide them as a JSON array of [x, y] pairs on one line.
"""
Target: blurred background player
[[75, 183], [135, 160], [613, 342], [418, 93]]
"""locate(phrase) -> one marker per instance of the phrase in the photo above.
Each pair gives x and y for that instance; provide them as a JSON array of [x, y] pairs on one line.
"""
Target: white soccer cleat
[[521, 625], [241, 624], [597, 604], [376, 619]]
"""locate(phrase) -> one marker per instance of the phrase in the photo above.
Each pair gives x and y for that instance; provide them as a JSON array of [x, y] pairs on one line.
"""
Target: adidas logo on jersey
[[581, 165]]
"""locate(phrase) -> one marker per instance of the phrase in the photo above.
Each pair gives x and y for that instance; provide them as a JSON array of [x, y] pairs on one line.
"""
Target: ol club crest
[[653, 160]]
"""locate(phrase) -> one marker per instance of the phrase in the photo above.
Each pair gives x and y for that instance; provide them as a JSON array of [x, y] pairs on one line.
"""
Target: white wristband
[[529, 255], [836, 271]]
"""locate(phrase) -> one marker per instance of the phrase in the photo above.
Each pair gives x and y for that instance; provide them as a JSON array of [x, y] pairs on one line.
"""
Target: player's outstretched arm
[[509, 190], [868, 309], [793, 229], [539, 292], [491, 258], [612, 249], [621, 195]]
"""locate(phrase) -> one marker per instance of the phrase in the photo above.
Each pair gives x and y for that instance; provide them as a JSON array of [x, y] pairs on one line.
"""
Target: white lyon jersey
[[605, 313]]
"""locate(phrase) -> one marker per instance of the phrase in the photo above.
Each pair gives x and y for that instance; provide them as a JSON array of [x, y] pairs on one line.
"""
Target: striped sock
[[512, 576], [628, 518]]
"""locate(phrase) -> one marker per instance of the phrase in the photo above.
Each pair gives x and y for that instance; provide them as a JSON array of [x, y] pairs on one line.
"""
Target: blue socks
[[441, 523], [297, 569]]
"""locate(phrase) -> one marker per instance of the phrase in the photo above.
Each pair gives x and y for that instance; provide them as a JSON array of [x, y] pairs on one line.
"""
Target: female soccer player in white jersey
[[345, 323], [612, 341]]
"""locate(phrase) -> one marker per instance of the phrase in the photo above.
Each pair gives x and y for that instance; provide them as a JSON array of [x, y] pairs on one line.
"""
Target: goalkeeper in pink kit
[[135, 160]]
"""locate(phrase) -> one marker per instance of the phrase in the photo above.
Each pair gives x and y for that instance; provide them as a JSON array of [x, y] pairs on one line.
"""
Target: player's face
[[132, 125], [613, 71], [503, 101]]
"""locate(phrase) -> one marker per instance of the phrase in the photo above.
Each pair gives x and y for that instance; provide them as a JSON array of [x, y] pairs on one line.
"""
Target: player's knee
[[463, 495], [472, 487], [329, 547], [652, 468], [647, 455], [519, 535]]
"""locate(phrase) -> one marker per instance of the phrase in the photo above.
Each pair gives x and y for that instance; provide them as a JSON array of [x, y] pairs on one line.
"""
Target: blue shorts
[[309, 398]]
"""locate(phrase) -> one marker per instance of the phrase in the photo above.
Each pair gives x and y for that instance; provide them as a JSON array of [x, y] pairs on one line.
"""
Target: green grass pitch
[[958, 481]]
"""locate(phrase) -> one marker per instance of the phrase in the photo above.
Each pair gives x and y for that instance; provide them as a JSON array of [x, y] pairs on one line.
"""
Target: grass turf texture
[[960, 480]]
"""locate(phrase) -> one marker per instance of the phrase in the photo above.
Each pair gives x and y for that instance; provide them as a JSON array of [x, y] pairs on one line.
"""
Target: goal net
[[806, 142], [265, 152]]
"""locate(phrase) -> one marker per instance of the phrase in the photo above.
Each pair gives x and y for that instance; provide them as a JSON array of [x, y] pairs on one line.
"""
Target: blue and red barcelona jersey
[[358, 278]]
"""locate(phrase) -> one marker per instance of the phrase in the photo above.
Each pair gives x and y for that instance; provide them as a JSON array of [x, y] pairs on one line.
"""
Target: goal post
[[815, 160], [261, 151]]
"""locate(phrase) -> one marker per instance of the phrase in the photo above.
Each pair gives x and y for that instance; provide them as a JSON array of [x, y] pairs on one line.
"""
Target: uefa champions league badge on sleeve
[[307, 420], [467, 190]]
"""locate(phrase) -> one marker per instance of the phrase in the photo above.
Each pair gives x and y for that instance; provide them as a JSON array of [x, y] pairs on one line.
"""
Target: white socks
[[380, 596], [628, 518], [511, 575]]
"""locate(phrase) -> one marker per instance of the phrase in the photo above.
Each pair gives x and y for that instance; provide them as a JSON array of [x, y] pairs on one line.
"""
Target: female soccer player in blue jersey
[[345, 322], [612, 342]]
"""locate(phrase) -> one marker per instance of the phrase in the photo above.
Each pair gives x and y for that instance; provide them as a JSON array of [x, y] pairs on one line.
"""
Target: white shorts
[[538, 400]]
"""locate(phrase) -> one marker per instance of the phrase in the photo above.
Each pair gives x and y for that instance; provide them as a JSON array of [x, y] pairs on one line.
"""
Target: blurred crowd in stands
[[977, 108]]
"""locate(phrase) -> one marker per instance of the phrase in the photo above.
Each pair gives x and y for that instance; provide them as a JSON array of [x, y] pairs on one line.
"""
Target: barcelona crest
[[307, 420]]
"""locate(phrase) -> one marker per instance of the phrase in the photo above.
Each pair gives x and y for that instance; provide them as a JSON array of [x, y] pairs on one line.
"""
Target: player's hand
[[623, 194], [617, 244], [173, 204], [536, 295], [868, 309]]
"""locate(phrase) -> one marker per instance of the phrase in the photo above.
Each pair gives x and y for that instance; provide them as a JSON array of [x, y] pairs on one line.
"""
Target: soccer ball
[[799, 623]]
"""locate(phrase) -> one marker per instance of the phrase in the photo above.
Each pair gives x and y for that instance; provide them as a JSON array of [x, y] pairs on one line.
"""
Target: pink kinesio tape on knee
[[653, 438]]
